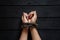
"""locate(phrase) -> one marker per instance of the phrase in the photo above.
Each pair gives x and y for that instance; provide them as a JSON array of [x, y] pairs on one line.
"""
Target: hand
[[29, 18], [24, 17], [34, 18]]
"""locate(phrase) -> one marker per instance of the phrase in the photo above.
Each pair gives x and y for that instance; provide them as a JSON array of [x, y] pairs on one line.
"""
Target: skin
[[34, 33], [24, 34]]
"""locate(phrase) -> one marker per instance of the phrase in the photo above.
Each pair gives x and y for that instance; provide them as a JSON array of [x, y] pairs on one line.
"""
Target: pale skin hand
[[24, 34], [34, 18], [34, 32]]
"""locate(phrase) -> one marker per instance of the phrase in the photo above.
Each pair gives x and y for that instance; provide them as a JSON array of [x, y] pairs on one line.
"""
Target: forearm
[[35, 35], [24, 35]]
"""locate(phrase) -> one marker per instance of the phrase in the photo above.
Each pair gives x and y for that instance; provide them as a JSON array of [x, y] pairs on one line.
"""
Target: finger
[[25, 14], [35, 14], [29, 20], [25, 17], [31, 12], [22, 18]]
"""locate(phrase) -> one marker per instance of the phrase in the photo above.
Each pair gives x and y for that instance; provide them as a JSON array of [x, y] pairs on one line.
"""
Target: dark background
[[48, 12]]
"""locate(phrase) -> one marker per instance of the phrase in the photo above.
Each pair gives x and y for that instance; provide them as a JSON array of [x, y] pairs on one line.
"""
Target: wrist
[[25, 30], [31, 29]]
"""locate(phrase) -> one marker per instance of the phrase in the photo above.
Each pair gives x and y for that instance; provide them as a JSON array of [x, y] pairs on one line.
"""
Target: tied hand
[[29, 18], [24, 18], [33, 17]]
